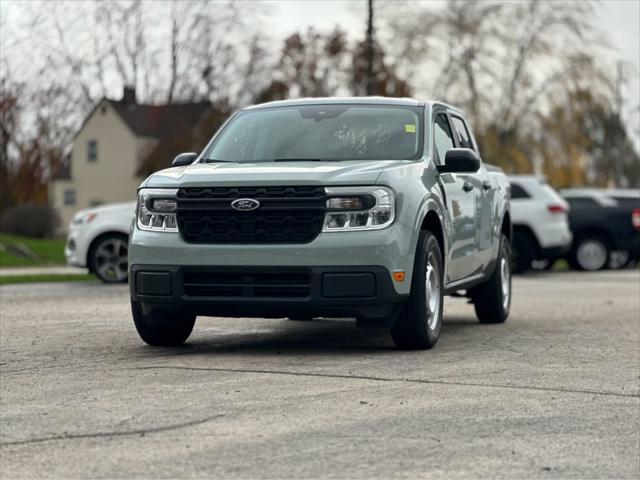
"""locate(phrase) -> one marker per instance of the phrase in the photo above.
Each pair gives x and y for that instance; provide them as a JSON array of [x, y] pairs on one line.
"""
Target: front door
[[461, 201], [484, 193]]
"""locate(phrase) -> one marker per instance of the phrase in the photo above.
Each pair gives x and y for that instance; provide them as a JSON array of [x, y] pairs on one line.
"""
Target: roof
[[600, 192], [160, 121], [409, 102], [338, 101]]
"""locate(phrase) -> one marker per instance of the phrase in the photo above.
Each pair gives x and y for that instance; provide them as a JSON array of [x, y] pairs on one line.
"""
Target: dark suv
[[605, 226]]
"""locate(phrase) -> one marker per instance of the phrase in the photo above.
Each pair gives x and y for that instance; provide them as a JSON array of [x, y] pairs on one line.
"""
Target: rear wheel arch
[[594, 231], [525, 230]]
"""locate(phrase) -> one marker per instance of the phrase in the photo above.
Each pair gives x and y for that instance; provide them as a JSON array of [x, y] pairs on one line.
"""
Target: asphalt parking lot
[[554, 392]]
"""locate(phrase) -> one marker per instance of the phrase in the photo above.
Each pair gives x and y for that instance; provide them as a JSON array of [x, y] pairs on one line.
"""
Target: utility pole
[[620, 80], [371, 84]]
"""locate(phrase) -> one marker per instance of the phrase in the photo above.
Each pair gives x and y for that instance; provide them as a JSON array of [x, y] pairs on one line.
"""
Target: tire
[[619, 259], [524, 252], [162, 329], [492, 299], [418, 325], [108, 258], [590, 253]]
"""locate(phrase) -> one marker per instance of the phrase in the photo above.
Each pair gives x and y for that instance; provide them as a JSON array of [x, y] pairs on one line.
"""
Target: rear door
[[461, 204]]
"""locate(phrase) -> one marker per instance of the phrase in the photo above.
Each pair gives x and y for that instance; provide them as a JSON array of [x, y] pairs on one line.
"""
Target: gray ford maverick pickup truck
[[366, 208]]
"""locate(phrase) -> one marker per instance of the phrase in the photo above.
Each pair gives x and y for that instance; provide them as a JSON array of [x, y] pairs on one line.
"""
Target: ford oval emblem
[[245, 204]]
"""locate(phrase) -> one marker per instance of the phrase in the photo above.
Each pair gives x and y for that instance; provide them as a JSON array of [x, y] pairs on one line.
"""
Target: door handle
[[486, 185], [467, 186]]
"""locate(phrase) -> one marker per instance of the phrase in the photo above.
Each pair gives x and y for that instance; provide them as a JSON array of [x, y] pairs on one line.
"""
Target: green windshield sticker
[[410, 128]]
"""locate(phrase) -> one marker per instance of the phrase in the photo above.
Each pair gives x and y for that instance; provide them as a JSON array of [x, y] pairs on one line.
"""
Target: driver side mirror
[[184, 159], [460, 160]]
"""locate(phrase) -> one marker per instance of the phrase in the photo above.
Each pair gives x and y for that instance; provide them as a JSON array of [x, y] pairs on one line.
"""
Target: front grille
[[252, 284], [286, 214]]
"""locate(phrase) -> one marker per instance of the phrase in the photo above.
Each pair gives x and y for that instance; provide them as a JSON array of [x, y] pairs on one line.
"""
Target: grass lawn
[[47, 277], [49, 252]]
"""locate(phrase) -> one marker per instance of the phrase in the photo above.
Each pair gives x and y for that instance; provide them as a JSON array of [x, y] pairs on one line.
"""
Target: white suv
[[540, 222], [98, 239]]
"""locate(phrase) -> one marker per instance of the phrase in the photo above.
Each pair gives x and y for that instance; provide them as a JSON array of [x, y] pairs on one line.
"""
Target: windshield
[[320, 132]]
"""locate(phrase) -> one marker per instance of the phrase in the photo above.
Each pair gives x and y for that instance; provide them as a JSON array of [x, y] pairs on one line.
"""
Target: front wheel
[[492, 299], [418, 326], [108, 258], [162, 328]]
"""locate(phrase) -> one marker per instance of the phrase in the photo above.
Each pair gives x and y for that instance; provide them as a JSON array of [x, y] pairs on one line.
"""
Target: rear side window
[[464, 139], [517, 192], [582, 202], [442, 137]]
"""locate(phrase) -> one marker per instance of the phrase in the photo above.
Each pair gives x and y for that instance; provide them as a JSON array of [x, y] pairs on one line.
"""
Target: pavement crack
[[384, 379], [143, 431]]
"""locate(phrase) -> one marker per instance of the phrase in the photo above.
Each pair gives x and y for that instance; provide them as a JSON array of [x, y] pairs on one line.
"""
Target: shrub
[[37, 221]]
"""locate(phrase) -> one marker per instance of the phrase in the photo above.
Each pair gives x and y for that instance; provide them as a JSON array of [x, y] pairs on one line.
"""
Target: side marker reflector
[[398, 276]]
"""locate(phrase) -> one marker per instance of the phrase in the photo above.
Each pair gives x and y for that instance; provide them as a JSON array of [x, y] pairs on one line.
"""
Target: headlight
[[359, 208], [83, 217], [156, 209]]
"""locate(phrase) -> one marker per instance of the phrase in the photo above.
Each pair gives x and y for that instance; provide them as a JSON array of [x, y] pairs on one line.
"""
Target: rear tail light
[[555, 208], [635, 218]]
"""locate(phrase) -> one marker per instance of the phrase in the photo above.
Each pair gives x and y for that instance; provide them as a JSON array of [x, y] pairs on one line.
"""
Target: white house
[[120, 143]]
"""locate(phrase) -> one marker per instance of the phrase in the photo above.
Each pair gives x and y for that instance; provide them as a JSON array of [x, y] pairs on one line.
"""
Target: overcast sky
[[618, 19]]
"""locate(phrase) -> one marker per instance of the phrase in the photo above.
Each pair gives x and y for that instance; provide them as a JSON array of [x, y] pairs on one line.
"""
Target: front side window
[[69, 197], [464, 139], [321, 132], [442, 137], [92, 150]]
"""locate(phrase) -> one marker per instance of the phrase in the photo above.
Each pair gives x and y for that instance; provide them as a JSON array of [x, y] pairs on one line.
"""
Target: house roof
[[159, 121], [184, 132], [175, 126]]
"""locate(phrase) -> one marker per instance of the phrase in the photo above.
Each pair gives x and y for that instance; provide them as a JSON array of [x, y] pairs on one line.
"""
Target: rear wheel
[[619, 259], [162, 328], [492, 299], [108, 258], [419, 323], [590, 253]]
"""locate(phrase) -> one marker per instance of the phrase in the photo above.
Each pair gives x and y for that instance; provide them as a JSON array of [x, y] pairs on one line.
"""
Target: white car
[[98, 240], [540, 222]]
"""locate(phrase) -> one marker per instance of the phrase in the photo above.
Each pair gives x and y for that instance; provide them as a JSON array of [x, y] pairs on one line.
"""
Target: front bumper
[[75, 249], [392, 248], [365, 292]]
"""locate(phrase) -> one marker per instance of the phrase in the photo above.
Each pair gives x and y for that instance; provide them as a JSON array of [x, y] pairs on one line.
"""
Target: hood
[[362, 172]]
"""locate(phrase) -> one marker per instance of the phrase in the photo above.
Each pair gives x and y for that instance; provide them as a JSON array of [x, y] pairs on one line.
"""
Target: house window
[[69, 197], [92, 150], [95, 202]]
